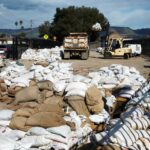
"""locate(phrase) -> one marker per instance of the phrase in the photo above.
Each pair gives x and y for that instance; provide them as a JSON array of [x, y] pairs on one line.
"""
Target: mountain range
[[34, 33]]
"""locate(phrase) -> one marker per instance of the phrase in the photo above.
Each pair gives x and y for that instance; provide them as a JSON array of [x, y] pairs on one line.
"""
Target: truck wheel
[[85, 55], [107, 55], [66, 55], [126, 56]]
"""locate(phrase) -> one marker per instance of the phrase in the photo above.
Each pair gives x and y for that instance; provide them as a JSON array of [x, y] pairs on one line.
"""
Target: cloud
[[132, 13]]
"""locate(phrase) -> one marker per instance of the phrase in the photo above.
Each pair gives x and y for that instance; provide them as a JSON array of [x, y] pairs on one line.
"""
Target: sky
[[126, 13]]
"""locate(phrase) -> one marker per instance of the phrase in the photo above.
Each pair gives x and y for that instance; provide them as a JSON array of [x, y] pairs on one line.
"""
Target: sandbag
[[79, 106], [6, 143], [33, 141], [53, 100], [50, 108], [45, 119], [94, 100], [61, 130], [24, 112], [19, 123], [16, 134], [45, 85], [37, 131], [42, 63], [74, 85], [6, 114], [69, 98], [27, 94], [96, 108], [93, 96]]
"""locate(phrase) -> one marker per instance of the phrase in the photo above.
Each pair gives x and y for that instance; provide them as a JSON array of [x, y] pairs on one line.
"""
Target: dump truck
[[115, 49], [76, 44]]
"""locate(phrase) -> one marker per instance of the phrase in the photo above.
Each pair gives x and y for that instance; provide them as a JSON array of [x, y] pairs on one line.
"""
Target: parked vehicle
[[5, 50], [115, 49], [76, 44], [136, 49]]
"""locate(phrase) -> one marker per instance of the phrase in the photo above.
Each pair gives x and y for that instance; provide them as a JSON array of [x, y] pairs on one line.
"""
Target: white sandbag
[[4, 123], [59, 86], [37, 131], [61, 130], [55, 137], [79, 78], [133, 70], [33, 141], [76, 85], [108, 86], [99, 137], [6, 143], [16, 134], [76, 119], [138, 123], [143, 134], [99, 118], [6, 114], [110, 100], [76, 92], [125, 136], [126, 70]]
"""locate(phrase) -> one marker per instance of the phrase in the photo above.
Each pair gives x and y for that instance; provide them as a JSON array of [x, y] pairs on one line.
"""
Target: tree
[[75, 19], [44, 28], [16, 24]]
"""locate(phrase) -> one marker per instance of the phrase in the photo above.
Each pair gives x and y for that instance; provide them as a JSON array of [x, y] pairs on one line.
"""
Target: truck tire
[[107, 55], [85, 55], [126, 56], [66, 55]]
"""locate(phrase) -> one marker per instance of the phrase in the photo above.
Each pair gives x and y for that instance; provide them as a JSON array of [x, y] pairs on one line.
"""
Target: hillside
[[126, 31], [34, 33], [144, 32]]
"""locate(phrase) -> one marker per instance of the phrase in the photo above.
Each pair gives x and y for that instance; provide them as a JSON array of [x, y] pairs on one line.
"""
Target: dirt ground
[[97, 61]]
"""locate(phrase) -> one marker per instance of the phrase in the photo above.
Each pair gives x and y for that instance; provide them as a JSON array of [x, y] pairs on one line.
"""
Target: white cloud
[[132, 13]]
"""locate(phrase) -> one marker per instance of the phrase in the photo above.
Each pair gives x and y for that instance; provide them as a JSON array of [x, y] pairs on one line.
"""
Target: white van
[[136, 49]]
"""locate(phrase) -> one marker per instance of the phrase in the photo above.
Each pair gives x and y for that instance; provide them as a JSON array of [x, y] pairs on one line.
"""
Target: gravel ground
[[97, 61]]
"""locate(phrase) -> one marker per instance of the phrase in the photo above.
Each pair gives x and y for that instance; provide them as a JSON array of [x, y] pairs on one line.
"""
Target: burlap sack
[[45, 85], [48, 93], [94, 100], [29, 104], [3, 87], [93, 96], [18, 88], [11, 91], [74, 98], [96, 109], [57, 100], [24, 112], [108, 92], [45, 119], [27, 94], [1, 81], [32, 83], [42, 63], [19, 123], [50, 108], [79, 106]]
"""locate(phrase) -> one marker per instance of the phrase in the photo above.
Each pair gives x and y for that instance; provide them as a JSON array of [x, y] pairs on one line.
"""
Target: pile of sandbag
[[125, 80], [49, 55], [132, 130]]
